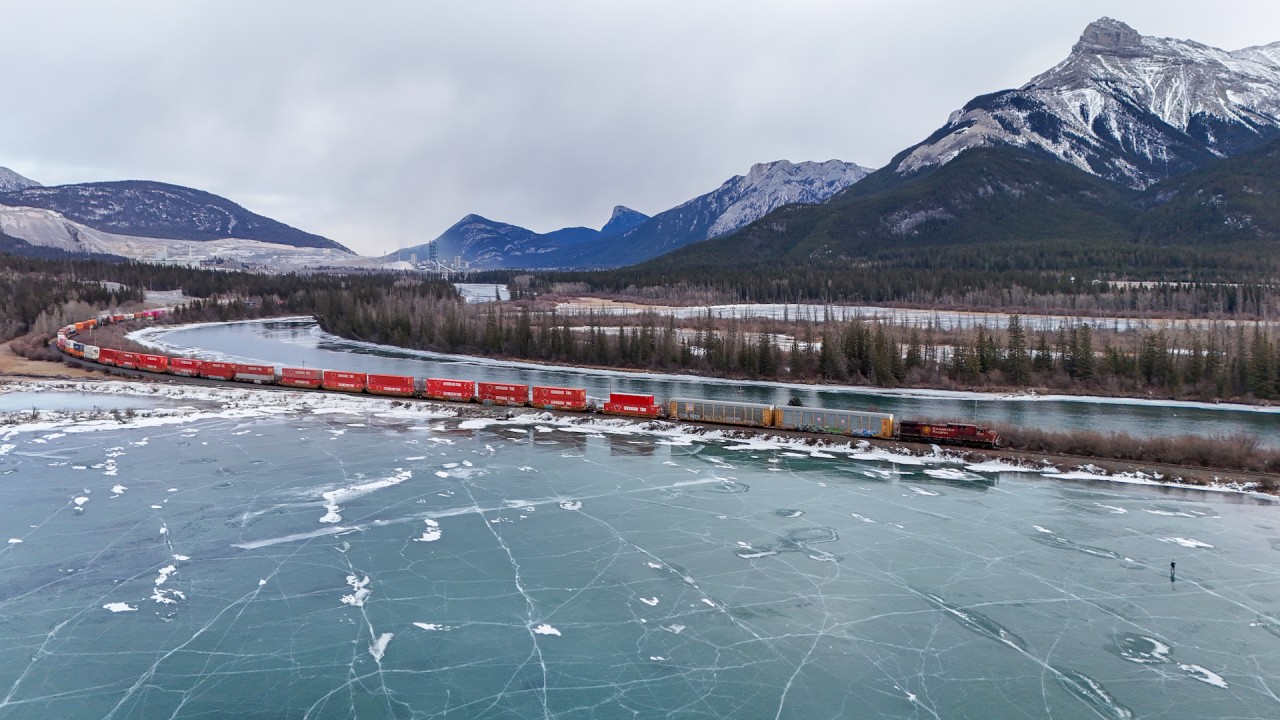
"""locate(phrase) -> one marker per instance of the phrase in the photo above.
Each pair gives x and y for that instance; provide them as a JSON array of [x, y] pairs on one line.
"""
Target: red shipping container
[[185, 366], [629, 399], [107, 356], [559, 398], [401, 385], [650, 411], [344, 381], [300, 377], [153, 363], [441, 389], [502, 393], [255, 373], [217, 370], [127, 360]]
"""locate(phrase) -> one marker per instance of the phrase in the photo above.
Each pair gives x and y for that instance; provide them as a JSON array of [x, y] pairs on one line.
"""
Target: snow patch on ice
[[545, 629], [360, 591], [1204, 675], [334, 498], [1185, 542], [432, 533], [119, 607], [378, 647]]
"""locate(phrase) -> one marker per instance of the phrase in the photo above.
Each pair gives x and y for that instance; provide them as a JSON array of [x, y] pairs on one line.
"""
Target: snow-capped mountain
[[738, 202], [747, 198], [631, 236], [157, 222], [10, 180], [160, 210], [1128, 108]]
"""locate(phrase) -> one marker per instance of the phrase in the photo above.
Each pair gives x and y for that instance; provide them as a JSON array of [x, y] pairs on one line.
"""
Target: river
[[300, 342]]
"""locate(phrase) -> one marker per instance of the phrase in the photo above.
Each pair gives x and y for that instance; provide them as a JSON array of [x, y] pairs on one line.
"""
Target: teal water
[[375, 562], [300, 343]]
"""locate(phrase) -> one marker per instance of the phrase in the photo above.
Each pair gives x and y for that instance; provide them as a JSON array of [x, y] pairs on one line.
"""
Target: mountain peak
[[1106, 36], [10, 180], [622, 220], [1126, 107]]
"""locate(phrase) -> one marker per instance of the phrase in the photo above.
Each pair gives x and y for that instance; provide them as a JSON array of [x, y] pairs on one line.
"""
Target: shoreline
[[1256, 486], [145, 336]]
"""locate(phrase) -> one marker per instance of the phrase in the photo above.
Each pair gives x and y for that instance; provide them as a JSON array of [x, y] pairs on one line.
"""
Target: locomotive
[[850, 423]]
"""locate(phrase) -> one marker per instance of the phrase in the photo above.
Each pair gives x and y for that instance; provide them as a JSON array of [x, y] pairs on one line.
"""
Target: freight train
[[852, 423]]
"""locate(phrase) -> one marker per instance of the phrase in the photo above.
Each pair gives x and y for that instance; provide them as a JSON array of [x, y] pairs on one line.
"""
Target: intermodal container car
[[153, 363], [839, 422], [300, 377], [108, 356], [184, 366], [400, 385], [217, 370], [629, 404], [255, 373], [444, 389], [128, 360], [344, 381], [91, 352], [722, 412], [502, 393], [559, 398]]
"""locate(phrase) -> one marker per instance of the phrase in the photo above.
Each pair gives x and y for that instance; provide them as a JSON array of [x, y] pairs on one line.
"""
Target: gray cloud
[[379, 124]]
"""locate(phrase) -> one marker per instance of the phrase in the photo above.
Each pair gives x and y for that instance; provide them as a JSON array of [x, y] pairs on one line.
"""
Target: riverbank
[[958, 464]]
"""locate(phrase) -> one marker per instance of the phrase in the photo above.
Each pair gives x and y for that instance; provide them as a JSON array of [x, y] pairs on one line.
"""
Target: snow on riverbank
[[187, 404]]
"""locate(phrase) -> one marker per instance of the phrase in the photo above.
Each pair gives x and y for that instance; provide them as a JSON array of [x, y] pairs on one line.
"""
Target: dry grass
[[1240, 451]]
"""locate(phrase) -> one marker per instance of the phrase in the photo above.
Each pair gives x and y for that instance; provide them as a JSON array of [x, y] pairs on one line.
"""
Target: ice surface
[[684, 573]]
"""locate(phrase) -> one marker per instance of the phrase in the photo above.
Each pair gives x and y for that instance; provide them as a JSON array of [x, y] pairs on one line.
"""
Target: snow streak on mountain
[[1129, 108]]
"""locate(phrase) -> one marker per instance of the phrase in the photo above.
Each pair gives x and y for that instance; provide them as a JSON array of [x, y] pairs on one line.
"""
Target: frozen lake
[[292, 555]]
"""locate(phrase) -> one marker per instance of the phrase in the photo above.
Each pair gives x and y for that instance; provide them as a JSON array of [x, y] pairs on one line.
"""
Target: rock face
[[1126, 107]]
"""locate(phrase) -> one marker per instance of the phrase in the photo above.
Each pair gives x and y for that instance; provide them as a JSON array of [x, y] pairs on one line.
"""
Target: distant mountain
[[1125, 107], [738, 202], [630, 236], [10, 180], [622, 220], [486, 244], [146, 209]]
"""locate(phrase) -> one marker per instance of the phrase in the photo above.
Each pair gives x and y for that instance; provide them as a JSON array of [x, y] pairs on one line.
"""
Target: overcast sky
[[380, 124]]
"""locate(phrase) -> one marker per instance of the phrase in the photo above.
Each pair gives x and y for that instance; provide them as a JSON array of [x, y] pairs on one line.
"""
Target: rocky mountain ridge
[[630, 236], [1123, 106]]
